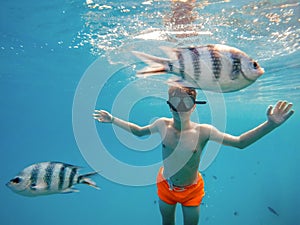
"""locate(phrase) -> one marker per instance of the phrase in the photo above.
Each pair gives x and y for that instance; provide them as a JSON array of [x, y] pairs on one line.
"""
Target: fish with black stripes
[[215, 67], [49, 178]]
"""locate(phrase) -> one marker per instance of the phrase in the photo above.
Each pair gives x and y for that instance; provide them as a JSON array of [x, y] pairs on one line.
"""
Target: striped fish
[[49, 178], [218, 68]]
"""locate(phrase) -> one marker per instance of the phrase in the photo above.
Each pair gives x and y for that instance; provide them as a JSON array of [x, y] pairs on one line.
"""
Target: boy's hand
[[280, 113], [103, 116]]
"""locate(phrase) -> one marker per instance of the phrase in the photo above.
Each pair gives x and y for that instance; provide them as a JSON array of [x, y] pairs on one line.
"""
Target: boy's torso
[[181, 152]]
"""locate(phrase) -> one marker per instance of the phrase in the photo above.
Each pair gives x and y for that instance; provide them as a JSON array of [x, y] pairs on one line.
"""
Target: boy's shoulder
[[164, 119], [205, 128], [162, 122]]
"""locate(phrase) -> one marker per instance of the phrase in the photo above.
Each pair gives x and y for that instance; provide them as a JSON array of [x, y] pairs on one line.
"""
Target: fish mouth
[[11, 186], [260, 71]]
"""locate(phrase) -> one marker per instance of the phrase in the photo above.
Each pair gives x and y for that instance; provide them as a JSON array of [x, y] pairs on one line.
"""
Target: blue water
[[48, 51]]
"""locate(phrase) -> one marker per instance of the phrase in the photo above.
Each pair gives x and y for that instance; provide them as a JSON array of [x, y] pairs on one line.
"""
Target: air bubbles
[[89, 2], [147, 3], [110, 26]]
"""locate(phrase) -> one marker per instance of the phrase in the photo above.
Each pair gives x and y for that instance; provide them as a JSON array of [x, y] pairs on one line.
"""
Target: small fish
[[273, 211], [218, 68], [49, 178]]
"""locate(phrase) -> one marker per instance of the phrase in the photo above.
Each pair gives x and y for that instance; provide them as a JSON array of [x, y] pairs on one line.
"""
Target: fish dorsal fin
[[67, 165], [71, 166], [172, 53], [75, 167]]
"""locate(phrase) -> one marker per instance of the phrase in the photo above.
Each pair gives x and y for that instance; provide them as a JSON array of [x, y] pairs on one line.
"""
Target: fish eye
[[16, 180], [255, 65]]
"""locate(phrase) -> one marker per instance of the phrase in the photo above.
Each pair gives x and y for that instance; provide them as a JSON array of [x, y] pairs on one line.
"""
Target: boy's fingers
[[288, 107], [270, 108], [282, 104], [279, 103], [277, 106], [289, 114]]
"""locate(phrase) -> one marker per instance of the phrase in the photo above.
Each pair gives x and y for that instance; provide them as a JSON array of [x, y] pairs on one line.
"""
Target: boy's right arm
[[105, 117]]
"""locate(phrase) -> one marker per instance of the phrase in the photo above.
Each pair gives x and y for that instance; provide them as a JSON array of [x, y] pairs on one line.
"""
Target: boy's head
[[182, 91], [182, 99]]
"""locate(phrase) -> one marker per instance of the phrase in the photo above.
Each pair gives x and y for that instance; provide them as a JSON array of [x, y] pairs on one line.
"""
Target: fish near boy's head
[[250, 68]]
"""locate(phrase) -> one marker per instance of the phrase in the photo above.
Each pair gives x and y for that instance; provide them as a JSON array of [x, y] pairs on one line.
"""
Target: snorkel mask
[[183, 103]]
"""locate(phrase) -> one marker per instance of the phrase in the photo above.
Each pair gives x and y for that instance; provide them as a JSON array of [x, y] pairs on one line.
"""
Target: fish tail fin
[[172, 53], [84, 179], [156, 65]]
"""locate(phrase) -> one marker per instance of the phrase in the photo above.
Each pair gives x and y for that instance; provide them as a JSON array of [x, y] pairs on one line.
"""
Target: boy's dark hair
[[174, 90]]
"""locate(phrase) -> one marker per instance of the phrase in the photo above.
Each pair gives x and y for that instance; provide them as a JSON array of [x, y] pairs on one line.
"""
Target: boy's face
[[181, 102]]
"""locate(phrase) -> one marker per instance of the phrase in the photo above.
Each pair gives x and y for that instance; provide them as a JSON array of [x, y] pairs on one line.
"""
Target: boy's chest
[[185, 140]]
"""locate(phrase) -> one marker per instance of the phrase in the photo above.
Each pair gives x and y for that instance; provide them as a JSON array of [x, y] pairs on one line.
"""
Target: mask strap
[[171, 106], [200, 102]]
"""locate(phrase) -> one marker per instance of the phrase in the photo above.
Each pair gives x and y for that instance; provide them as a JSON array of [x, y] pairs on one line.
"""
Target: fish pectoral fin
[[38, 187], [69, 190], [235, 74]]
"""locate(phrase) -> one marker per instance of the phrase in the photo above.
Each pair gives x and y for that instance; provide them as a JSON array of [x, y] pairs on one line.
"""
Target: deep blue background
[[39, 72]]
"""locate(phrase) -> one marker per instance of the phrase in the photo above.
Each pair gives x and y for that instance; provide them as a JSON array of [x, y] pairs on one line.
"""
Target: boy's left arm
[[276, 116]]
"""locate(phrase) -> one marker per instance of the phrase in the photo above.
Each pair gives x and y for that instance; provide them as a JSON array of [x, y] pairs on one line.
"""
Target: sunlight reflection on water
[[268, 31]]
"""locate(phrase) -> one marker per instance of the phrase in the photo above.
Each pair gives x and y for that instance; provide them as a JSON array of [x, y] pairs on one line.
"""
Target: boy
[[182, 144]]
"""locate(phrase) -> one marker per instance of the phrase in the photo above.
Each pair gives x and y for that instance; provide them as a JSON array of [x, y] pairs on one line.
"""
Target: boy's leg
[[167, 212], [191, 215]]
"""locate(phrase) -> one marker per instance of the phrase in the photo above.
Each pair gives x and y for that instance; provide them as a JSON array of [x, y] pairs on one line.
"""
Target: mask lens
[[188, 102], [175, 101], [181, 104]]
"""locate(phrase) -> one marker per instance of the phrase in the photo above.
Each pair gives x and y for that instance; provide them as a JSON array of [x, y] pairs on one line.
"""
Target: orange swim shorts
[[188, 196]]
